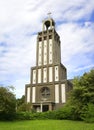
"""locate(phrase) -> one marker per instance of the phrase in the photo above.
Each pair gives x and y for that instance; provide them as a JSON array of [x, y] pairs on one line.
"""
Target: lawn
[[46, 125]]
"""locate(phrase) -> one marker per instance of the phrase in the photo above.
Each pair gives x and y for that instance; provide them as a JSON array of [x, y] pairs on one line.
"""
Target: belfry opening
[[49, 24]]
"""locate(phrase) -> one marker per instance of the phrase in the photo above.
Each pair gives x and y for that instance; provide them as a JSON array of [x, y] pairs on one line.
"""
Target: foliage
[[20, 101], [64, 113], [7, 103], [23, 115], [22, 106], [82, 94], [88, 115]]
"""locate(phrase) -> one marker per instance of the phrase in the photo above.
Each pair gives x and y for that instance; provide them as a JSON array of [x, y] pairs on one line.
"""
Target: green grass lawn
[[46, 125]]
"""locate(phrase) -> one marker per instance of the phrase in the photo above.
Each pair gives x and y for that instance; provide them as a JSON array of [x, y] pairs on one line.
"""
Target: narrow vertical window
[[50, 74], [40, 54], [56, 73], [50, 52], [39, 75], [34, 76], [57, 93], [28, 94], [45, 75], [33, 94], [45, 53], [63, 91]]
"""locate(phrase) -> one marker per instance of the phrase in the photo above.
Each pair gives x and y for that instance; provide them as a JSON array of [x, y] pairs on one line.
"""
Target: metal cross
[[49, 14]]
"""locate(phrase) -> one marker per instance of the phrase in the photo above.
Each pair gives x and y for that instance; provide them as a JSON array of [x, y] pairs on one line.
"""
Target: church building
[[49, 87]]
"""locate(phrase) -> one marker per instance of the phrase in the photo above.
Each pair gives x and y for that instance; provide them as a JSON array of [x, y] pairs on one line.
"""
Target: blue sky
[[21, 20]]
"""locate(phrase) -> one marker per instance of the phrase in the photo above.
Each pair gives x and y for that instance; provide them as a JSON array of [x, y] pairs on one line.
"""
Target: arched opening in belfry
[[48, 24]]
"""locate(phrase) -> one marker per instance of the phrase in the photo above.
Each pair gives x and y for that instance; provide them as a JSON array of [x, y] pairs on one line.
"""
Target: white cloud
[[21, 20], [77, 44]]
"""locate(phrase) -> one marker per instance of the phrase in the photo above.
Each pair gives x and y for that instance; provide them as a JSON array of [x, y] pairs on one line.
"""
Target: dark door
[[45, 108]]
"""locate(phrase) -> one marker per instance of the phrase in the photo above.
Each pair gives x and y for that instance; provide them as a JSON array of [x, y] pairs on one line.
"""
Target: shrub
[[7, 116], [23, 116], [88, 115], [65, 113]]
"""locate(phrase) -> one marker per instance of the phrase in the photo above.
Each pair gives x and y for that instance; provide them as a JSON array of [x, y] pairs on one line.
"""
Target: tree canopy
[[7, 101], [22, 106], [82, 94]]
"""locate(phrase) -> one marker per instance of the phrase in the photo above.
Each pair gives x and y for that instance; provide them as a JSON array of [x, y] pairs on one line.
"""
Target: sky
[[21, 20]]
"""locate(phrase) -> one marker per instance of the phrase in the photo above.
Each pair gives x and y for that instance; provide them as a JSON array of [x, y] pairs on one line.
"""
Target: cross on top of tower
[[49, 14]]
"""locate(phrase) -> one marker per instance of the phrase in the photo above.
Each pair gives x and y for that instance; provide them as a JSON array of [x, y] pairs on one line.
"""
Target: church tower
[[49, 86]]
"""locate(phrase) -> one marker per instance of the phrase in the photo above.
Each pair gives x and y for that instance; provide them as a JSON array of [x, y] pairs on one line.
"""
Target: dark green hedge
[[7, 116], [64, 113], [67, 112]]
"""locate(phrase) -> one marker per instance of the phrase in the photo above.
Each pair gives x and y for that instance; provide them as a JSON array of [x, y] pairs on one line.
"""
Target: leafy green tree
[[22, 106], [20, 101], [82, 94], [7, 102], [88, 115], [25, 107]]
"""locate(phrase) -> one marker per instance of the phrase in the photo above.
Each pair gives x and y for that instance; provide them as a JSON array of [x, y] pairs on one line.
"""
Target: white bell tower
[[49, 85]]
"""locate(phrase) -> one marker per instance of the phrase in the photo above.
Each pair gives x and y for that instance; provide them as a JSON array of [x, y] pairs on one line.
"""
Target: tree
[[22, 106], [7, 102], [82, 94], [20, 101], [25, 107]]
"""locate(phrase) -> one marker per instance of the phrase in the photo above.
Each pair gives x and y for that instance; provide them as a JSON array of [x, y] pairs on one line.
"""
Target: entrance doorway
[[45, 108]]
